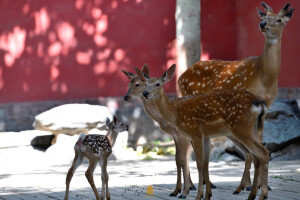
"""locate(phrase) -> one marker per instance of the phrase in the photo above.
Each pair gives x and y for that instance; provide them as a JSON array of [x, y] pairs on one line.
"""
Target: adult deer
[[234, 113], [97, 148], [182, 144], [257, 75]]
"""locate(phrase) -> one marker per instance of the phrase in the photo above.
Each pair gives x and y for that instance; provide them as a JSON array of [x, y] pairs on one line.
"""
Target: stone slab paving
[[31, 175]]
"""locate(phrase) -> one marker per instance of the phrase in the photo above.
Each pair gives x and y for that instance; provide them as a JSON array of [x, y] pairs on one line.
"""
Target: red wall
[[68, 49]]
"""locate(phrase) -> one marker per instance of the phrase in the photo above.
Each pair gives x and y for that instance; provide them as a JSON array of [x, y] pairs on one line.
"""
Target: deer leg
[[208, 192], [104, 178], [199, 153], [177, 159], [260, 156], [89, 175], [184, 162], [76, 163], [246, 181]]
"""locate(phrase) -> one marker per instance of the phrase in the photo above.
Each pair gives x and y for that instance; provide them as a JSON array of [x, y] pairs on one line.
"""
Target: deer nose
[[126, 98], [262, 24], [145, 93]]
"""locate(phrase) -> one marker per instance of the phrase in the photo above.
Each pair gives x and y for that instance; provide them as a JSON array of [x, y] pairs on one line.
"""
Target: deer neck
[[112, 136], [165, 106], [271, 59]]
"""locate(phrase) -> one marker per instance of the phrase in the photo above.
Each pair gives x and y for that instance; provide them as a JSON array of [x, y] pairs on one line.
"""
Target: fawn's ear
[[128, 74], [141, 75], [146, 70], [115, 120], [169, 74], [107, 122]]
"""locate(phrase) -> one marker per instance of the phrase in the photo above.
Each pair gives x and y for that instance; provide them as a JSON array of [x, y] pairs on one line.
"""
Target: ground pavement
[[33, 175]]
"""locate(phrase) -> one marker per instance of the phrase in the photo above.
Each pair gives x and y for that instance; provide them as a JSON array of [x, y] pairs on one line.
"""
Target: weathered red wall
[[66, 49]]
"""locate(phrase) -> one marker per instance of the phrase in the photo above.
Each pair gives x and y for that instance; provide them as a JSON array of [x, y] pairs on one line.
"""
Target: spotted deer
[[257, 75], [234, 113], [96, 148], [183, 146]]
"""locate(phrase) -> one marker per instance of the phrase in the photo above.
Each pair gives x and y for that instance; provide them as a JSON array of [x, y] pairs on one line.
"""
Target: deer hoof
[[236, 192], [182, 196], [192, 187], [249, 188], [213, 186]]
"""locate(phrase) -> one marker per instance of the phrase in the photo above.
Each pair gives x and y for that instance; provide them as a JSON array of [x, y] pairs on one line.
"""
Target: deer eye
[[137, 85], [279, 20], [157, 84]]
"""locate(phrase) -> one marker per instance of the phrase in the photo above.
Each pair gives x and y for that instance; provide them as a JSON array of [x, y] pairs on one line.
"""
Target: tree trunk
[[187, 34]]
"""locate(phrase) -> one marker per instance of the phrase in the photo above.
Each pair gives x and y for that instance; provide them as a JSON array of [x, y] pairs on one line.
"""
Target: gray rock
[[72, 119], [282, 124], [292, 152]]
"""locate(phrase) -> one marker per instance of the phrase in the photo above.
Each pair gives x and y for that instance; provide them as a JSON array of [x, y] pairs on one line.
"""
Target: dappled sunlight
[[13, 43], [75, 49], [42, 21]]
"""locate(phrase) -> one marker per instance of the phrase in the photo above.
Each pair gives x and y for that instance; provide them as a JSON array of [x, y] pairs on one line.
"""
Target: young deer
[[183, 146], [234, 113], [257, 75], [96, 148]]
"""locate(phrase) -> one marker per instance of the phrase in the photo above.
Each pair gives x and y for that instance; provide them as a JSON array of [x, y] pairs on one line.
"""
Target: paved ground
[[34, 176]]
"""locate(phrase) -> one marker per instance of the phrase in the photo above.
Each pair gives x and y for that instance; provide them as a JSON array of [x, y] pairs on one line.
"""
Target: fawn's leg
[[184, 145], [246, 181], [199, 153], [76, 162], [89, 175], [177, 159], [206, 146], [260, 156], [104, 178]]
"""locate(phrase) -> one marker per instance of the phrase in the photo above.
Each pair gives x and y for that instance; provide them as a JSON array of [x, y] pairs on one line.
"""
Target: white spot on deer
[[191, 83], [251, 73], [198, 72], [228, 81], [203, 85], [199, 84], [206, 68]]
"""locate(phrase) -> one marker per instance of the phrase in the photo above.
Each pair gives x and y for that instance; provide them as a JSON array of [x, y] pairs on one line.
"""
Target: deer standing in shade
[[234, 113], [257, 75], [96, 148], [182, 144]]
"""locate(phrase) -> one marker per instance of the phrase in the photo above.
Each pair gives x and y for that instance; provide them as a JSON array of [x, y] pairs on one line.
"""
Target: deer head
[[116, 125], [272, 24], [153, 85], [136, 85]]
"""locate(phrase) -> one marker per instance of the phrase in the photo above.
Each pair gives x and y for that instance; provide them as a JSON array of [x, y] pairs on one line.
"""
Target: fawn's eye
[[137, 85], [157, 84], [279, 20]]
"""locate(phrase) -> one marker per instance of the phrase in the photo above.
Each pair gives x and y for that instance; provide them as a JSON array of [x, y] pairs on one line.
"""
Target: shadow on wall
[[75, 49]]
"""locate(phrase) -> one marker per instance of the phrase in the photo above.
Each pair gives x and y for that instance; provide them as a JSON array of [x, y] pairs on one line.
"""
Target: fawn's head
[[116, 125], [136, 85], [153, 85], [272, 24]]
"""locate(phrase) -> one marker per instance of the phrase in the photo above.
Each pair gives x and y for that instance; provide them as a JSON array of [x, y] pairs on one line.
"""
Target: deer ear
[[115, 120], [146, 70], [107, 122], [169, 74], [128, 74], [141, 75], [261, 14]]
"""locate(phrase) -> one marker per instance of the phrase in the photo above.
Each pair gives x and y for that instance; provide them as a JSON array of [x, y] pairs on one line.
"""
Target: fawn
[[257, 75], [183, 146], [96, 148], [234, 113]]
